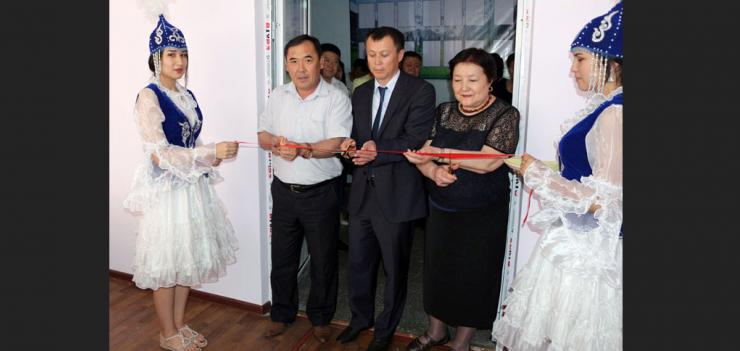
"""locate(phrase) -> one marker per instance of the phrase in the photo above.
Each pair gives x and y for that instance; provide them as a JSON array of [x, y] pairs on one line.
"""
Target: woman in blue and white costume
[[569, 294], [184, 237]]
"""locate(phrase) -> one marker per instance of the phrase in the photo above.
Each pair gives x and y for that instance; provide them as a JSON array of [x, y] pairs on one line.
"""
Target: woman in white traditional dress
[[569, 294], [184, 237]]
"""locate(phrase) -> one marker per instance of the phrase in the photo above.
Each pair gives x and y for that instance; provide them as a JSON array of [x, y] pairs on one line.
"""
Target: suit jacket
[[406, 124]]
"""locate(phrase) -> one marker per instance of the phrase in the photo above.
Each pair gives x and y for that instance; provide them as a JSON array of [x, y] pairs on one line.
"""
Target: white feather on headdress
[[153, 8]]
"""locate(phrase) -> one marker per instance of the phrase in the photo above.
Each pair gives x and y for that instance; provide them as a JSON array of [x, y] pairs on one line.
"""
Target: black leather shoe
[[418, 345], [379, 344], [349, 334]]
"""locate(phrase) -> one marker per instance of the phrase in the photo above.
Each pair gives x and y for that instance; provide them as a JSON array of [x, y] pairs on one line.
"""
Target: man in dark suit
[[394, 111]]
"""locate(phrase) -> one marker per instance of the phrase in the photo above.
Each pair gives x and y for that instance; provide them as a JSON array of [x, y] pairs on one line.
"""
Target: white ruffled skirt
[[184, 238], [565, 299]]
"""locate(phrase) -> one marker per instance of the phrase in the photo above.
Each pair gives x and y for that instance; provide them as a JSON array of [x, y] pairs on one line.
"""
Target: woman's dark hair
[[499, 65], [299, 40], [510, 59], [478, 57], [151, 63]]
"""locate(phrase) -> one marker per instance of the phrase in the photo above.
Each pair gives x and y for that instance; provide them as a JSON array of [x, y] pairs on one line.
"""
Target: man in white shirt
[[303, 124], [330, 56]]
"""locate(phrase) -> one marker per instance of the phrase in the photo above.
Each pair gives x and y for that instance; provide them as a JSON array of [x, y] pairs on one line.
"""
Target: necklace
[[477, 109]]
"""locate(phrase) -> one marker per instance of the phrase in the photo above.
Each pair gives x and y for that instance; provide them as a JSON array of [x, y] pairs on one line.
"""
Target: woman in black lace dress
[[469, 204]]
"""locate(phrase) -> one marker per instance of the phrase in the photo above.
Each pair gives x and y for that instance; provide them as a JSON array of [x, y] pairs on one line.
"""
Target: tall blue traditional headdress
[[164, 35], [602, 36]]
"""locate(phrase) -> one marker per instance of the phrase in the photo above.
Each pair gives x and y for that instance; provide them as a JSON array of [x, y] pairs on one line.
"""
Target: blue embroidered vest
[[572, 147], [176, 126]]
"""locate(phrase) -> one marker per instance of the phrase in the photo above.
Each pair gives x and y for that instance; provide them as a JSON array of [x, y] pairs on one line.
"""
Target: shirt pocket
[[314, 121]]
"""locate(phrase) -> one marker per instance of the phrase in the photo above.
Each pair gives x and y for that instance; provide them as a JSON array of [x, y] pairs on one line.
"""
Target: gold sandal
[[196, 338], [173, 344]]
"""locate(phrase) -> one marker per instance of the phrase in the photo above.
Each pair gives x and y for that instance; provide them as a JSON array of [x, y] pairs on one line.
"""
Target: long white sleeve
[[603, 187], [187, 164], [178, 166]]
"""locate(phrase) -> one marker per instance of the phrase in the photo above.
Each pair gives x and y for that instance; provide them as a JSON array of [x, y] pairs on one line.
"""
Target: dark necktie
[[376, 122]]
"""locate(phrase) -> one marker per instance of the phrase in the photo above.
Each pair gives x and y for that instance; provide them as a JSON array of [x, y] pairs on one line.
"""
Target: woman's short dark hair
[[478, 57], [299, 40], [510, 59], [382, 32], [499, 64]]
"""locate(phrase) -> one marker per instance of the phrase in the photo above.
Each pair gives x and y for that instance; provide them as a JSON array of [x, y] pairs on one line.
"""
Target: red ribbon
[[451, 155], [455, 155]]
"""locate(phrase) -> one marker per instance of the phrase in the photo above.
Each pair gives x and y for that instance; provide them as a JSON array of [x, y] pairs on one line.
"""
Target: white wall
[[553, 95], [226, 51], [442, 89], [329, 22]]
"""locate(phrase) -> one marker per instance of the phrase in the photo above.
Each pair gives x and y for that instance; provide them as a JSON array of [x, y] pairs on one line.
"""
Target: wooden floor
[[133, 326]]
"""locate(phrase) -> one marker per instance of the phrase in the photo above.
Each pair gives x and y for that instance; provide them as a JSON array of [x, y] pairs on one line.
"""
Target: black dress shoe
[[349, 334], [418, 345], [379, 344]]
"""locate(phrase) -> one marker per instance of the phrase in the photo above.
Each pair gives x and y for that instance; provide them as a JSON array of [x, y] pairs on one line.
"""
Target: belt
[[301, 188]]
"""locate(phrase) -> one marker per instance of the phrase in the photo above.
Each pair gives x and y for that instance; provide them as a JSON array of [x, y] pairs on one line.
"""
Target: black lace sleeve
[[442, 111], [504, 134]]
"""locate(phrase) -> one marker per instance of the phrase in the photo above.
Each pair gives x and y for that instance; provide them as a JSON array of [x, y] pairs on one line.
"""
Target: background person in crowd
[[411, 63], [330, 60], [504, 88], [360, 73]]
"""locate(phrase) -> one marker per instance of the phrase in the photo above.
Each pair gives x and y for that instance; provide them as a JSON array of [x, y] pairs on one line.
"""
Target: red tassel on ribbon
[[529, 202]]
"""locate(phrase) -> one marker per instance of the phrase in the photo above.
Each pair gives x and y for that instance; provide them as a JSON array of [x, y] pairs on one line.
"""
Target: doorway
[[436, 29]]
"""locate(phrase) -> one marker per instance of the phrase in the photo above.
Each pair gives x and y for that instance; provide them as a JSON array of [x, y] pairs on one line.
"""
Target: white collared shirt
[[326, 113], [339, 85], [386, 97]]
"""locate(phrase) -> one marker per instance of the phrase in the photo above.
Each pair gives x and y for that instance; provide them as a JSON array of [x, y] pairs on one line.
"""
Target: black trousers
[[313, 214], [372, 239]]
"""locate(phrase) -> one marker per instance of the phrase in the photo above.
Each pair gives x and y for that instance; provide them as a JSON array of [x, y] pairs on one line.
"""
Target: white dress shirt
[[386, 97], [325, 114], [339, 85]]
